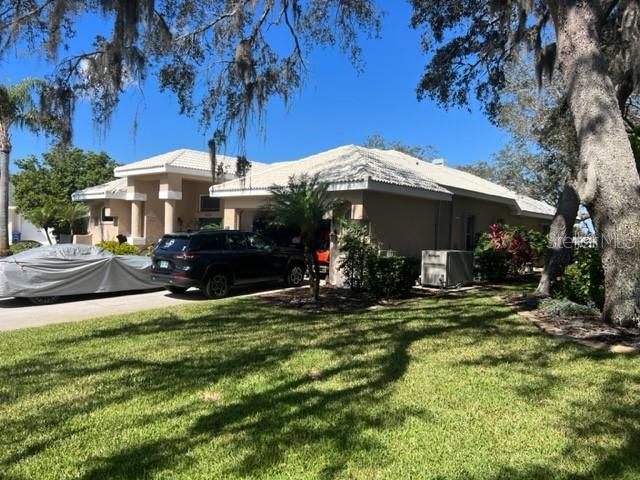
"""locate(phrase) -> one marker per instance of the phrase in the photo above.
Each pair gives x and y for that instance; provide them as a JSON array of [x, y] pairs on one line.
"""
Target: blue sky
[[337, 106]]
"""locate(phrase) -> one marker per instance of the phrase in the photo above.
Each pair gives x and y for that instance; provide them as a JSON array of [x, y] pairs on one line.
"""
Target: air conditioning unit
[[446, 268]]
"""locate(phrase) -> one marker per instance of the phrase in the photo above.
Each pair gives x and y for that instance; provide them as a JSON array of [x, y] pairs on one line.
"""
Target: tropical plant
[[72, 214], [44, 218], [303, 204], [18, 108], [502, 250]]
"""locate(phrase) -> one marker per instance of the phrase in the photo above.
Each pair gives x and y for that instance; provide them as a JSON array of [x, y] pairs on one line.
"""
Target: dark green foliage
[[22, 246], [364, 270], [49, 182], [59, 173], [118, 248], [492, 264], [539, 243], [583, 280], [392, 277], [358, 253]]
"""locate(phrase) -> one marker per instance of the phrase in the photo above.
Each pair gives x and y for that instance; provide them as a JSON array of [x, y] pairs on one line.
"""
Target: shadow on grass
[[260, 357]]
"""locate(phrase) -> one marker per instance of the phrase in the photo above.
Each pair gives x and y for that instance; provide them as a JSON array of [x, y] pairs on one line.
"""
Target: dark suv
[[216, 260]]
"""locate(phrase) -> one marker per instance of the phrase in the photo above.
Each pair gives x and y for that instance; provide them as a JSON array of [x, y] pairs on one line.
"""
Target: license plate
[[163, 264]]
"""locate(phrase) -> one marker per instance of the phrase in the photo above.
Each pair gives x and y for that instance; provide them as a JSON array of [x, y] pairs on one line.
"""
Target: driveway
[[19, 313]]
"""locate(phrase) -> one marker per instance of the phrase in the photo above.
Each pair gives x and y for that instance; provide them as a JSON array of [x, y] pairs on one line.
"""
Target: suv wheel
[[217, 286], [295, 275]]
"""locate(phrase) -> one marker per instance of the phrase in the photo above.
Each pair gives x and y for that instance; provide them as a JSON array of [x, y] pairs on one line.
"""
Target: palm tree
[[17, 108], [44, 218], [71, 213], [303, 204]]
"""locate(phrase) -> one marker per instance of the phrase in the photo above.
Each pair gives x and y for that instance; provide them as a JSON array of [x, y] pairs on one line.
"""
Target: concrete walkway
[[19, 313]]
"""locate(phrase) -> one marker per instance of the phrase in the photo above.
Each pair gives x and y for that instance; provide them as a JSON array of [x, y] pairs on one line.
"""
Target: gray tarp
[[67, 269]]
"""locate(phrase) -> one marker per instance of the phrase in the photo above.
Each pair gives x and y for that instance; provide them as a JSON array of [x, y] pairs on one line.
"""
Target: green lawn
[[437, 388]]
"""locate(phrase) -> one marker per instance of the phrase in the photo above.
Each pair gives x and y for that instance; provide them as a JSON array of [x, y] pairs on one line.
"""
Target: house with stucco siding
[[409, 204]]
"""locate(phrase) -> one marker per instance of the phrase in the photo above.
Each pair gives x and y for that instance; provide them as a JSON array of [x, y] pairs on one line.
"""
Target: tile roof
[[109, 189], [352, 163], [341, 165], [183, 159]]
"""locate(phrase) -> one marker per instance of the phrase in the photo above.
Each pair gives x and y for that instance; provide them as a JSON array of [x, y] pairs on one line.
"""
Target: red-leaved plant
[[511, 240]]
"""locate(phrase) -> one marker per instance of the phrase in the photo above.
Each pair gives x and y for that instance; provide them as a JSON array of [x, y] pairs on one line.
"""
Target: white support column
[[136, 219], [169, 216], [230, 219]]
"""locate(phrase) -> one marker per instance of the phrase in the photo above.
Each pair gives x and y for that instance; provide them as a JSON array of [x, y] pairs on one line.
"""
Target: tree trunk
[[46, 232], [308, 256], [5, 151], [560, 238], [608, 181], [316, 277]]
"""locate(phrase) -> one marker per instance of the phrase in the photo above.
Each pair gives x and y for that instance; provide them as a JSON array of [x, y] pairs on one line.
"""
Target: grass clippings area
[[455, 387]]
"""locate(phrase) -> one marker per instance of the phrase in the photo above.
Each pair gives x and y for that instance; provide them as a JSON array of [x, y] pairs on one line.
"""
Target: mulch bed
[[337, 300], [331, 300], [589, 331]]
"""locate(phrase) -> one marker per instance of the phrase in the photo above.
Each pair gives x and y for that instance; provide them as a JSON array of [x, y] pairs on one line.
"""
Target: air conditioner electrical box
[[446, 268]]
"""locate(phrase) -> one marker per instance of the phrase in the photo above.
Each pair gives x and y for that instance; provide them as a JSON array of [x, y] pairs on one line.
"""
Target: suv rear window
[[207, 242], [174, 244]]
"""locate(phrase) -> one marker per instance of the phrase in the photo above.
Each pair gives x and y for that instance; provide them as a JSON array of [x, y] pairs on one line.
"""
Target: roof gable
[[181, 161], [343, 165]]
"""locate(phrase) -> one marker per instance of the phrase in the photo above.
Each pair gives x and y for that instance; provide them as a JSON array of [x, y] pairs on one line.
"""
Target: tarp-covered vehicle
[[45, 273]]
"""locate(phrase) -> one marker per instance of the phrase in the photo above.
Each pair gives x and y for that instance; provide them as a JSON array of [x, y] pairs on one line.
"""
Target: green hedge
[[392, 277], [491, 264], [118, 248], [22, 246], [583, 280]]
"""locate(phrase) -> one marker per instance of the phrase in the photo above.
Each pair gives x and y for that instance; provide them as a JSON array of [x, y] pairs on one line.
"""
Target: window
[[104, 218], [235, 241], [208, 242], [174, 244], [470, 238], [208, 204], [258, 242]]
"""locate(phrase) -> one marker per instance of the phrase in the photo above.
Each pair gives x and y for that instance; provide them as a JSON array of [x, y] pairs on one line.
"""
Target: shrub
[[118, 248], [503, 250], [539, 243], [392, 277], [492, 264], [566, 308], [22, 246], [357, 253], [583, 280]]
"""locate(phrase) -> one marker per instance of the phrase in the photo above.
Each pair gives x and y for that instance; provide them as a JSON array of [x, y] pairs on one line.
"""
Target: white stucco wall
[[28, 231]]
